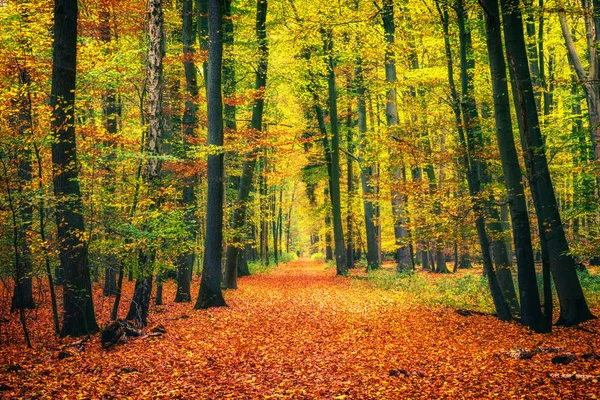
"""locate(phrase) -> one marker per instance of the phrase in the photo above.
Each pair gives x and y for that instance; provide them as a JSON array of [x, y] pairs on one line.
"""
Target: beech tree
[[555, 249], [78, 316], [210, 294]]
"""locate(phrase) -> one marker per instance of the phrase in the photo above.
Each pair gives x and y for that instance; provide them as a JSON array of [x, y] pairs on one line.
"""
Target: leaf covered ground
[[301, 332]]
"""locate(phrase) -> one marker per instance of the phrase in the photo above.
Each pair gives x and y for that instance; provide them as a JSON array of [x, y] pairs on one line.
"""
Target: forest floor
[[298, 332]]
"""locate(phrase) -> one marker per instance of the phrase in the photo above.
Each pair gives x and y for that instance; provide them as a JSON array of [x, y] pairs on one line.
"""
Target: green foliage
[[317, 257], [463, 291], [287, 257], [590, 284], [259, 267]]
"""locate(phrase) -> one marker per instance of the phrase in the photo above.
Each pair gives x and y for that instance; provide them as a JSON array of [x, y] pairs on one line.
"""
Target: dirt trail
[[301, 332]]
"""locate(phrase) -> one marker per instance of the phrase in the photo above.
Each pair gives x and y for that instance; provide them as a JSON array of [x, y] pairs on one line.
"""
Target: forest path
[[301, 332]]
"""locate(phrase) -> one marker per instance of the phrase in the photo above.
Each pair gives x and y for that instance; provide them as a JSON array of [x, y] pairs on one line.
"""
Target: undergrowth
[[468, 290], [259, 266], [464, 290]]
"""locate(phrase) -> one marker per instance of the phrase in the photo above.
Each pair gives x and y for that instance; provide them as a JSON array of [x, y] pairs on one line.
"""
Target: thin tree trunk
[[23, 292], [366, 172], [42, 222], [110, 112], [188, 200], [239, 214], [350, 185]]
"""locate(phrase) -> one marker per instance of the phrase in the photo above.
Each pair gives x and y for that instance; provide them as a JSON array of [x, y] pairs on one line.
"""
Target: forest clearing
[[298, 331]]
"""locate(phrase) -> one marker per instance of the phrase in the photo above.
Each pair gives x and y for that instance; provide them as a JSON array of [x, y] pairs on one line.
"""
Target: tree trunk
[[573, 307], [350, 186], [474, 166], [138, 309], [23, 291], [391, 112], [188, 198], [531, 314], [334, 152], [110, 112], [366, 172], [78, 317], [590, 80], [239, 214], [210, 294]]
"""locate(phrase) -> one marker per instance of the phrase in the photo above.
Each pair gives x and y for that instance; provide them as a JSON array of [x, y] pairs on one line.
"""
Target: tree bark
[[210, 294], [573, 307], [391, 112], [531, 314], [475, 167], [140, 303], [23, 291], [78, 317], [239, 213], [110, 112], [334, 151], [366, 172], [188, 198]]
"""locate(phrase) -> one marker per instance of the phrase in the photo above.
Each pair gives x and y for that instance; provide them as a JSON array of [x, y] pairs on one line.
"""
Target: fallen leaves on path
[[300, 332]]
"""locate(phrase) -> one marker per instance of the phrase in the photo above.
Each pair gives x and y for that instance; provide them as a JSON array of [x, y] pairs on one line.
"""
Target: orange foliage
[[301, 332]]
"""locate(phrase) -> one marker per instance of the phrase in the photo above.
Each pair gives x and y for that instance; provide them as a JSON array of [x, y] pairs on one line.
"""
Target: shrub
[[317, 257]]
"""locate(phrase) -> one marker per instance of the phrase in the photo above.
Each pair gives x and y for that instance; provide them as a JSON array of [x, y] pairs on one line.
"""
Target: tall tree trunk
[[110, 112], [42, 225], [573, 307], [366, 172], [239, 213], [590, 80], [350, 185], [474, 166], [210, 294], [188, 198], [140, 303], [531, 314], [78, 317], [334, 152], [23, 291], [391, 112]]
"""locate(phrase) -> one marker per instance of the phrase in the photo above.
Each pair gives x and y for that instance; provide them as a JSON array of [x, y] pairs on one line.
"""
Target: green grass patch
[[466, 290]]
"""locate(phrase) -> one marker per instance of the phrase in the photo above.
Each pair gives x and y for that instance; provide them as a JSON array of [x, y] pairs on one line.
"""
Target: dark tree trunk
[[42, 224], [23, 292], [210, 294], [573, 307], [328, 247], [531, 314], [274, 229], [229, 84], [188, 198], [351, 190], [110, 112], [334, 154], [78, 317], [474, 166], [239, 213]]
